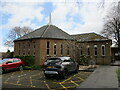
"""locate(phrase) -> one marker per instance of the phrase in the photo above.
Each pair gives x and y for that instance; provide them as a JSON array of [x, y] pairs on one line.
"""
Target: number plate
[[51, 67], [51, 72]]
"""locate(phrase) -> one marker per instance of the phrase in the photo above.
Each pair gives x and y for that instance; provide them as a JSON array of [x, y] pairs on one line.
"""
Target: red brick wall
[[99, 59], [40, 49], [74, 49]]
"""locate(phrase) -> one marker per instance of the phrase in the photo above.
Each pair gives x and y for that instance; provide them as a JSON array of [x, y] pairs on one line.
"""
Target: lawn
[[118, 73]]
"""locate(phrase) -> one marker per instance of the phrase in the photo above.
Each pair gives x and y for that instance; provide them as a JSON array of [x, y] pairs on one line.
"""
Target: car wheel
[[20, 68], [64, 74], [47, 76], [77, 69]]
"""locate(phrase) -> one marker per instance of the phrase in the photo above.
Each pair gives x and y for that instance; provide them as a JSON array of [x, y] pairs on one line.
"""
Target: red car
[[11, 63]]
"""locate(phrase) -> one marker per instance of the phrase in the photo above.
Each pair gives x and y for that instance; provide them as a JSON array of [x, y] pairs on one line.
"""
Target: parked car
[[10, 64], [60, 66]]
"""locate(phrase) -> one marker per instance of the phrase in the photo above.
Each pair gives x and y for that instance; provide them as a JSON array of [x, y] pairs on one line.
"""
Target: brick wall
[[99, 58], [41, 49]]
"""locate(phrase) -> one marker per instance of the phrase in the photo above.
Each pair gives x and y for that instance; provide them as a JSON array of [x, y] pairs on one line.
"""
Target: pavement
[[102, 77]]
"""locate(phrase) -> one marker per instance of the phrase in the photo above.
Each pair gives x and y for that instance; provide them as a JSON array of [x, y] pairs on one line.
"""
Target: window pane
[[48, 44], [103, 50], [48, 48], [95, 50], [88, 51], [55, 49], [81, 52], [67, 50], [61, 49]]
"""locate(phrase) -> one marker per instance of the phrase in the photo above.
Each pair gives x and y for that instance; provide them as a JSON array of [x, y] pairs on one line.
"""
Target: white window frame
[[54, 49], [95, 46], [102, 50]]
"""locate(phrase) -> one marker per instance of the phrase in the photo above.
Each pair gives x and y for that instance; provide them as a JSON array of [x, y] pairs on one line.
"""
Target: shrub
[[33, 67], [28, 60], [9, 54], [84, 59]]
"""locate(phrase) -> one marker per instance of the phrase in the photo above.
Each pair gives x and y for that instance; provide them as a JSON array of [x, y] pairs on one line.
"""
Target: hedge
[[28, 60]]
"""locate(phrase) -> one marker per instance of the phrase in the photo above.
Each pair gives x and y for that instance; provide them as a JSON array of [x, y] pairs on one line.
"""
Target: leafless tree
[[15, 33], [112, 25]]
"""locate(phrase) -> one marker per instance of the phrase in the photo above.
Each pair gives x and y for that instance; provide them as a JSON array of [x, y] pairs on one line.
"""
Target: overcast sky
[[74, 18]]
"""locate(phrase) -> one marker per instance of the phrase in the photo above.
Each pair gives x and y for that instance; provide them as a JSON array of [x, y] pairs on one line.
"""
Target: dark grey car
[[60, 66]]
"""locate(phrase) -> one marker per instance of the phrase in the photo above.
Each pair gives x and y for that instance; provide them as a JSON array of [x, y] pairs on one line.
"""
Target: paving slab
[[102, 77]]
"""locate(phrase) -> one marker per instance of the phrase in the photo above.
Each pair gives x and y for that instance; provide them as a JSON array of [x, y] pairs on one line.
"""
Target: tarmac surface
[[102, 77], [36, 79]]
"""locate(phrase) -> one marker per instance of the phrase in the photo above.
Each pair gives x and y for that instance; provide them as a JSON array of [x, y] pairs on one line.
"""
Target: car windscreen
[[3, 60]]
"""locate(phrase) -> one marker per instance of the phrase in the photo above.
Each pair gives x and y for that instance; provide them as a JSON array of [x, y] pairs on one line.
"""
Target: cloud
[[21, 13], [66, 14], [18, 14], [89, 13]]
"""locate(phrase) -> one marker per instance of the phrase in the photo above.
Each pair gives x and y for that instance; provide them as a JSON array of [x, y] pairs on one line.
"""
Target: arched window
[[55, 47], [95, 50], [88, 50], [103, 50]]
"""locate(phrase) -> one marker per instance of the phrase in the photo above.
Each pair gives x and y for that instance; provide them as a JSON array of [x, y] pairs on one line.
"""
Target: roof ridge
[[45, 30], [64, 32]]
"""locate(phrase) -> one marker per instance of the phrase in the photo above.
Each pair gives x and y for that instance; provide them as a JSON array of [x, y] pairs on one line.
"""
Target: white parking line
[[22, 75]]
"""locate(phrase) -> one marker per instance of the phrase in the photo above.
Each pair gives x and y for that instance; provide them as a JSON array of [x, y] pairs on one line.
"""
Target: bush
[[33, 67], [84, 59], [9, 54], [28, 60]]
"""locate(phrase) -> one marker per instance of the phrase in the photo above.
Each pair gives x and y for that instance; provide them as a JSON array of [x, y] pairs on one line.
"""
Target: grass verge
[[118, 73]]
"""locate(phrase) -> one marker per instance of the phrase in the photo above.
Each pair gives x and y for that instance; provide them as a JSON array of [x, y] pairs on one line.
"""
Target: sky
[[72, 16]]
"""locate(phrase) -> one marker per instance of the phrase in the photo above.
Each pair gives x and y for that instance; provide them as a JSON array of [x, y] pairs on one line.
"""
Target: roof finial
[[50, 22]]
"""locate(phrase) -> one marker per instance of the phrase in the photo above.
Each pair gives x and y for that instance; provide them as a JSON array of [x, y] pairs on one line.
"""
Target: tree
[[112, 25], [9, 54], [15, 33]]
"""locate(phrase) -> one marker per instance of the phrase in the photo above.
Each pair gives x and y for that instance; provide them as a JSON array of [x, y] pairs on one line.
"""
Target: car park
[[60, 66], [10, 64]]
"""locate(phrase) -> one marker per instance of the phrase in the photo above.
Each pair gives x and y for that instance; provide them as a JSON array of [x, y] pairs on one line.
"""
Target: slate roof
[[89, 37], [47, 32]]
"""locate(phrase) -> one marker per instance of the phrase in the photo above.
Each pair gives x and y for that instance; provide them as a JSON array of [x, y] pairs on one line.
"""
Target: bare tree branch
[[15, 33], [112, 24]]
